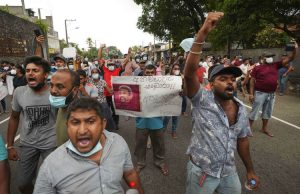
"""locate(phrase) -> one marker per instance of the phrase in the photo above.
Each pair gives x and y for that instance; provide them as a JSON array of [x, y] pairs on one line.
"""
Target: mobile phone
[[37, 32]]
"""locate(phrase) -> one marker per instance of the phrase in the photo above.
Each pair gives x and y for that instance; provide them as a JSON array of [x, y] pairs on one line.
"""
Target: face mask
[[71, 67], [5, 68], [61, 67], [95, 76], [111, 68], [53, 69], [96, 63], [176, 72], [13, 72], [60, 101], [145, 58], [96, 149], [269, 60]]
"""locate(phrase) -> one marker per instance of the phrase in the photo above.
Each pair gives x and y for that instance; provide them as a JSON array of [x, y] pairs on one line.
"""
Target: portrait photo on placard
[[127, 97]]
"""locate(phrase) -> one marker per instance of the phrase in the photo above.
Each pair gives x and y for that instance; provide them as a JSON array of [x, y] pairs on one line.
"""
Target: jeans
[[264, 101], [282, 82], [225, 185], [184, 104], [174, 122]]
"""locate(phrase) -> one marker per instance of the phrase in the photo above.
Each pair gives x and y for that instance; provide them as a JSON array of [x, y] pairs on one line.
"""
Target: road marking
[[17, 137], [278, 119], [4, 120]]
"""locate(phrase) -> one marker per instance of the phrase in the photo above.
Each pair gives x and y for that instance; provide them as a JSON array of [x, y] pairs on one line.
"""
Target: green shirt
[[61, 127]]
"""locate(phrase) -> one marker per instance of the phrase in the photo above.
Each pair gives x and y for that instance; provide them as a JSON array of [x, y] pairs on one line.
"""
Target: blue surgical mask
[[58, 101], [96, 149]]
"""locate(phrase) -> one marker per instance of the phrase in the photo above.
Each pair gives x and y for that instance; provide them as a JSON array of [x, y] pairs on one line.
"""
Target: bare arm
[[190, 70], [100, 52], [39, 49], [244, 153], [4, 177], [251, 95], [132, 177], [13, 124], [286, 61]]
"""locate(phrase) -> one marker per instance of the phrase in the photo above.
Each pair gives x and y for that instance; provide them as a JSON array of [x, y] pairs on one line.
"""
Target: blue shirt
[[3, 151], [213, 140], [153, 123]]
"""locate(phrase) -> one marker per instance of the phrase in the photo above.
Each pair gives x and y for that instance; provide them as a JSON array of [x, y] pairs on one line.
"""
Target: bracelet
[[199, 43], [10, 147], [196, 53]]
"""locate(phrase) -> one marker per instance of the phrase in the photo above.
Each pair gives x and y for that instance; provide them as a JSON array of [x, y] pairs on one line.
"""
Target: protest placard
[[3, 92], [147, 96]]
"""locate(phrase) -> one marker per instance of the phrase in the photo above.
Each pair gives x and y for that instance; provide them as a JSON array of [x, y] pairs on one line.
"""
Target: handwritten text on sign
[[147, 96]]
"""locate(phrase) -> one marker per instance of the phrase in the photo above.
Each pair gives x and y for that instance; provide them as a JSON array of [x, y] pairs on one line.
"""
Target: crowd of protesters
[[66, 116]]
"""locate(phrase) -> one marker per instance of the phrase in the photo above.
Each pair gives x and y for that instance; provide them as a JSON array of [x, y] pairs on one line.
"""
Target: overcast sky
[[107, 21]]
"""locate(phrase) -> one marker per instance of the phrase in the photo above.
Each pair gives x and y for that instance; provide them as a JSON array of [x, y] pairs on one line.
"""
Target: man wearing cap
[[93, 160], [141, 61], [60, 61], [263, 85], [220, 125]]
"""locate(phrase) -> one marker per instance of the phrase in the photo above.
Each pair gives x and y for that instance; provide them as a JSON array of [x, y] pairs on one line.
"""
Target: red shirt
[[200, 74], [265, 76], [107, 77]]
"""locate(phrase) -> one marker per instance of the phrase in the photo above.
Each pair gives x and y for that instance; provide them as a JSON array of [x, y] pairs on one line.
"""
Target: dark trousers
[[111, 106], [183, 105], [3, 103], [158, 144]]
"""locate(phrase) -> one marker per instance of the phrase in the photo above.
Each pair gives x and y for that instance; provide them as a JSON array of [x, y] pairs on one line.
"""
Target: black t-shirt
[[19, 81]]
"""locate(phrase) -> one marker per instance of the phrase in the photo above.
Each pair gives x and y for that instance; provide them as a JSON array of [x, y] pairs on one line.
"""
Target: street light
[[66, 28]]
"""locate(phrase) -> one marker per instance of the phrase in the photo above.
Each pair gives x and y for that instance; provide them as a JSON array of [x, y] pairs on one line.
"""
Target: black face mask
[[39, 86], [70, 97]]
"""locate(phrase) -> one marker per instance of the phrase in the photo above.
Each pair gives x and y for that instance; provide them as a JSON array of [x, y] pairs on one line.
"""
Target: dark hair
[[39, 62], [175, 64], [6, 62], [74, 76], [81, 72], [22, 70], [150, 67], [85, 103], [12, 64]]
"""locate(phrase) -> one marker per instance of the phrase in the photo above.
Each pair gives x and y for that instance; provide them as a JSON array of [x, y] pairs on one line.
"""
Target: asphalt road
[[276, 160]]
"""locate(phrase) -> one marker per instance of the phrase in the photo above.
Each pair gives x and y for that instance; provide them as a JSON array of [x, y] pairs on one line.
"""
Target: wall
[[16, 38]]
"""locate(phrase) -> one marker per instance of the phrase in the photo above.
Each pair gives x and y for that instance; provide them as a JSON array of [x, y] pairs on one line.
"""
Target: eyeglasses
[[176, 69]]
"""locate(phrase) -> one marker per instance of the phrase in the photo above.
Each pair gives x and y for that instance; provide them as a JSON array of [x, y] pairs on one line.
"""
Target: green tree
[[179, 19], [89, 42]]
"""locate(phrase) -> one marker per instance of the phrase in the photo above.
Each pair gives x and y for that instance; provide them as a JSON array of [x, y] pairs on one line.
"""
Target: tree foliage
[[243, 21]]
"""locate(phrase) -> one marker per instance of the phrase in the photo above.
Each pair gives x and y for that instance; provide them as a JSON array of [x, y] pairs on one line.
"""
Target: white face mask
[[13, 72], [111, 68], [176, 72], [96, 62], [6, 68], [95, 75], [71, 67], [269, 60]]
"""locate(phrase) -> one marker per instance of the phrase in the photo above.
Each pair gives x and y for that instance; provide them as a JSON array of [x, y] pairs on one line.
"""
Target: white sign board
[[69, 52], [3, 92], [147, 96]]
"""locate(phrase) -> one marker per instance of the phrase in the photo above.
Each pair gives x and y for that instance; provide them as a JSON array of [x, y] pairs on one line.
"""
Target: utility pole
[[66, 29], [40, 16], [23, 7]]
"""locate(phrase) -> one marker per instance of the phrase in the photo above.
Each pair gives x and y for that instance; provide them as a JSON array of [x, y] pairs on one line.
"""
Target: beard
[[227, 94], [38, 87]]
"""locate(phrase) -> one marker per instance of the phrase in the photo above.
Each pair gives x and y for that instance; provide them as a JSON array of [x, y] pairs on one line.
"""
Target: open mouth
[[83, 141], [31, 81]]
